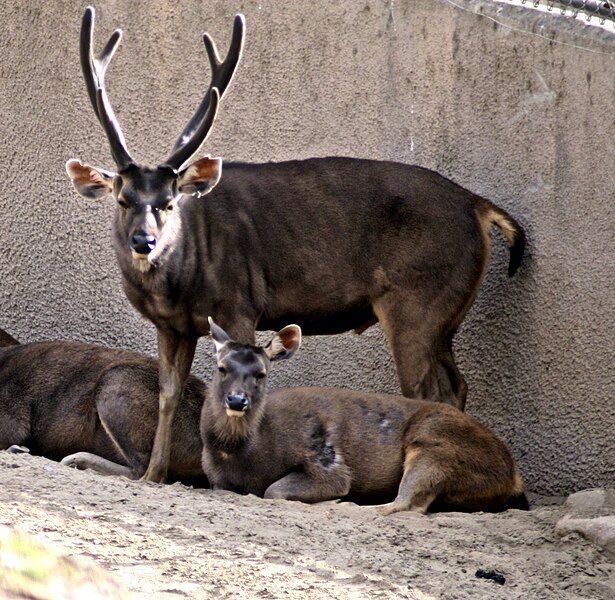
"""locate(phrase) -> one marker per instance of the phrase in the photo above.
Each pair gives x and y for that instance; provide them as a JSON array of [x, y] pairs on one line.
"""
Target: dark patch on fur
[[319, 444], [362, 406]]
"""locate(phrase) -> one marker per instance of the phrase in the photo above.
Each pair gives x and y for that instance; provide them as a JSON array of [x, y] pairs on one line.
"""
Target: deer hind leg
[[449, 375], [425, 370], [129, 430], [114, 439], [86, 460], [419, 486], [410, 341]]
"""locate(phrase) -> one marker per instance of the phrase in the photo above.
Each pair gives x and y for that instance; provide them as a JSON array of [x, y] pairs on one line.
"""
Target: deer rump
[[61, 398]]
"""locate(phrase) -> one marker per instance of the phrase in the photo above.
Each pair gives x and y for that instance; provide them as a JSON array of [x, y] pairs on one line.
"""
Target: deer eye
[[259, 375], [122, 203], [222, 370]]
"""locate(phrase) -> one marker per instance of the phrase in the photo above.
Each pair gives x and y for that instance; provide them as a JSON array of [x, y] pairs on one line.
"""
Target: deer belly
[[358, 316]]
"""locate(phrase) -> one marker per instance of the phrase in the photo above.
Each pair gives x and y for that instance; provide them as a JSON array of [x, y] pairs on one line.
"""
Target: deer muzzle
[[142, 243], [236, 405]]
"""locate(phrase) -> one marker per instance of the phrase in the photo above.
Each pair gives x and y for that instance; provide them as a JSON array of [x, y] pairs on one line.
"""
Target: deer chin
[[235, 413], [141, 262]]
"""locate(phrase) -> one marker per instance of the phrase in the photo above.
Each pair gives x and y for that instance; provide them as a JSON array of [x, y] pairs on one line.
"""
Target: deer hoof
[[18, 450], [76, 461], [392, 507], [154, 477]]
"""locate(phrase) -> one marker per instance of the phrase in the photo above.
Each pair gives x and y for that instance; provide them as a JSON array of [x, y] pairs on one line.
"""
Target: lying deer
[[315, 444], [93, 407], [334, 244]]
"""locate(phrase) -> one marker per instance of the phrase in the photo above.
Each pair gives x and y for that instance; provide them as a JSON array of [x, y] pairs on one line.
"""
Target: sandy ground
[[173, 541]]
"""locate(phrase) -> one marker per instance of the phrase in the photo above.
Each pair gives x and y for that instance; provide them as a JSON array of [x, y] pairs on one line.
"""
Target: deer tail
[[490, 214]]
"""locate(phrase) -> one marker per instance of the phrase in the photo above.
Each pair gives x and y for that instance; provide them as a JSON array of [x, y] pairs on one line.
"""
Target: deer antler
[[198, 127], [94, 75]]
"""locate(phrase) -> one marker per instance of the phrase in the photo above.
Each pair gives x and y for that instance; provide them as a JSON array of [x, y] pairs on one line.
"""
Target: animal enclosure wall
[[474, 90]]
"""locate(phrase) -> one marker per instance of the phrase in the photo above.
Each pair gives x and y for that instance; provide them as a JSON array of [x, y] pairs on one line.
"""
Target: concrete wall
[[501, 109]]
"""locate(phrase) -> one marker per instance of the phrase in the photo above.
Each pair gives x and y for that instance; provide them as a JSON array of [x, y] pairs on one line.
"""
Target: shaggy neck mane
[[230, 432]]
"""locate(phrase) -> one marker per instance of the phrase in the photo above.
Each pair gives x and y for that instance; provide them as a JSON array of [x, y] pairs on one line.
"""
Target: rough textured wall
[[503, 111]]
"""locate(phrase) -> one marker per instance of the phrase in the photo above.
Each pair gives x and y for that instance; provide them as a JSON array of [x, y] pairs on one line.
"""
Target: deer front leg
[[305, 487], [87, 460], [175, 354]]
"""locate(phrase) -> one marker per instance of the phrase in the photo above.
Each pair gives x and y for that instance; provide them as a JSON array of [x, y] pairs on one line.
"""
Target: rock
[[590, 513], [591, 503], [599, 530]]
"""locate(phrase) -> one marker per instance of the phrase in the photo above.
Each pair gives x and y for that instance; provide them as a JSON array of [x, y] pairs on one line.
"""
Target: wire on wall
[[602, 10]]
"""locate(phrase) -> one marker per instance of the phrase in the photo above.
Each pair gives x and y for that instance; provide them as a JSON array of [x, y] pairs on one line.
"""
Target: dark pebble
[[493, 575]]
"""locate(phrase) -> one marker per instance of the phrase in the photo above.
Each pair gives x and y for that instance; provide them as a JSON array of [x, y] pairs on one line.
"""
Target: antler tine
[[221, 75], [183, 154], [223, 71], [109, 49], [94, 75]]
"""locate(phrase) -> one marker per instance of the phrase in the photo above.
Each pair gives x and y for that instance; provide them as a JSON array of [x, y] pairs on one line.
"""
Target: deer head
[[238, 385], [147, 196]]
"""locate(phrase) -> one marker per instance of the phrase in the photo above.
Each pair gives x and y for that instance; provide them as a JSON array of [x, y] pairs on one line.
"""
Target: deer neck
[[230, 434]]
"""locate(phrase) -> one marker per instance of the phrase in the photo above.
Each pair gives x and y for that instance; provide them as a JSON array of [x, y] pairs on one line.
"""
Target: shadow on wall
[[504, 313]]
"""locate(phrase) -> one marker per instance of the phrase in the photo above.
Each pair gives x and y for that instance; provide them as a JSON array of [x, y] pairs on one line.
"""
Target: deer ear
[[200, 177], [219, 336], [284, 343], [89, 182]]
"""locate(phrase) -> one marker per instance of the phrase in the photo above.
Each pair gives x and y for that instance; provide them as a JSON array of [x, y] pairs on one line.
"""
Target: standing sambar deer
[[333, 244], [316, 444], [93, 407]]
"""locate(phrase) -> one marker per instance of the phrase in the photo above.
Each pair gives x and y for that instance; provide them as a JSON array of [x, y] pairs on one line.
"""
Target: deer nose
[[238, 402], [142, 243]]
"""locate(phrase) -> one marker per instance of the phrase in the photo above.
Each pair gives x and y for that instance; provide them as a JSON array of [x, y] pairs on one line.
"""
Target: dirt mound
[[173, 541]]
